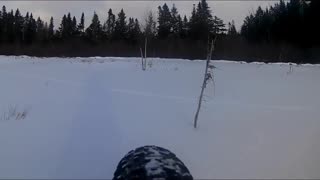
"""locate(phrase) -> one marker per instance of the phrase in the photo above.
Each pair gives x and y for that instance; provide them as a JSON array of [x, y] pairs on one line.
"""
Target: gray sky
[[227, 10]]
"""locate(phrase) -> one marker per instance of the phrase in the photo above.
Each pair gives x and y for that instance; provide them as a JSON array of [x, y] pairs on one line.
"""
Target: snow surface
[[85, 114]]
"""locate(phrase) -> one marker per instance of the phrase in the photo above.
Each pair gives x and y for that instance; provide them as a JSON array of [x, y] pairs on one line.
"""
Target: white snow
[[85, 114], [153, 167]]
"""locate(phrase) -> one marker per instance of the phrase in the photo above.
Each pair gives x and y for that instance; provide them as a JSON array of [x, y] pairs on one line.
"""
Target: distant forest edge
[[287, 31]]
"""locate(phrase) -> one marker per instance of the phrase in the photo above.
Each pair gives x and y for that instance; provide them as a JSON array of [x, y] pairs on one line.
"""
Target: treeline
[[170, 35], [294, 25], [15, 28], [287, 31], [294, 22]]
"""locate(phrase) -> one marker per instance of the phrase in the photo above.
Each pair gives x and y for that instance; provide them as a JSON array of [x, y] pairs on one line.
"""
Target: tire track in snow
[[150, 94], [214, 102], [94, 141]]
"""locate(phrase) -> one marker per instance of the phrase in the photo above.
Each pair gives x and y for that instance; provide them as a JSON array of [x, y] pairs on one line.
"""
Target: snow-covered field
[[82, 115]]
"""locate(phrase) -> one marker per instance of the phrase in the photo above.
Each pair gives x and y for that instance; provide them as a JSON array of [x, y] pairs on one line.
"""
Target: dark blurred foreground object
[[151, 162]]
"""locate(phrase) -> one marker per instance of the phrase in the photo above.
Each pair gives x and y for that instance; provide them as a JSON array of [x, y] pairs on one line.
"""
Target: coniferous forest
[[287, 31]]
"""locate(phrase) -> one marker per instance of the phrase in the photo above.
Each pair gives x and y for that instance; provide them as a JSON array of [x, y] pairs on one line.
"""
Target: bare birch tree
[[149, 32]]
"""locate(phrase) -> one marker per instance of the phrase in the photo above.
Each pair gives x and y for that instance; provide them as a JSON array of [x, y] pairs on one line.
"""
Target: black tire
[[151, 162]]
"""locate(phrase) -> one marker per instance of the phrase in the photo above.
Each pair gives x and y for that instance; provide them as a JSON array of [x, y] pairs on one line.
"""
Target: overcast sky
[[227, 10]]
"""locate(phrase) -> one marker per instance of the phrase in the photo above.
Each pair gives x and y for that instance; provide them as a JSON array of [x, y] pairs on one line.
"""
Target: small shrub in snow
[[12, 113], [290, 68], [150, 64]]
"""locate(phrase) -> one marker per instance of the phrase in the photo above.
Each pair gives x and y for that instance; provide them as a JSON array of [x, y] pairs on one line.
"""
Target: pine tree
[[121, 26], [164, 21], [206, 21], [40, 24], [150, 26], [51, 29], [201, 21], [18, 26], [25, 26], [192, 29], [74, 27], [46, 31], [176, 22], [69, 30], [63, 28], [133, 30], [180, 27], [10, 27], [31, 28], [4, 24], [110, 24], [232, 29], [81, 24], [130, 29], [313, 16], [137, 27], [4, 13], [1, 26], [218, 26], [185, 28], [41, 30], [94, 31]]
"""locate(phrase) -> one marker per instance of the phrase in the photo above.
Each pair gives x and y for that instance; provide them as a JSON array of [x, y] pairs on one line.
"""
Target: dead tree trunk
[[144, 58], [290, 68], [207, 77], [145, 53]]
